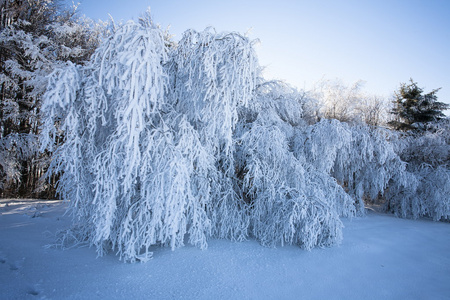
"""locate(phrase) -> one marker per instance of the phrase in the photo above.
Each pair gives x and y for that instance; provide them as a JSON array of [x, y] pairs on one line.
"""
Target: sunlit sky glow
[[381, 42]]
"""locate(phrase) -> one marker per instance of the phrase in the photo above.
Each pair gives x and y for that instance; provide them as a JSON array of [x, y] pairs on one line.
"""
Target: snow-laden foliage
[[140, 166], [358, 157], [212, 75], [426, 189], [110, 106], [431, 147], [290, 201], [164, 144], [415, 110], [36, 37], [424, 192], [153, 143], [13, 149]]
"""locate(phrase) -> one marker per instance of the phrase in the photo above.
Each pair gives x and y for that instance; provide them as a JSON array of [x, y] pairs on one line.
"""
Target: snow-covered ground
[[381, 257]]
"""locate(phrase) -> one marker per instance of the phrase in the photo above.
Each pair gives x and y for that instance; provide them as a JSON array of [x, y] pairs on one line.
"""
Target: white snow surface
[[381, 257]]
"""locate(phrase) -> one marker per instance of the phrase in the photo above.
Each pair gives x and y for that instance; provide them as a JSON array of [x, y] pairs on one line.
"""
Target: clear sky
[[383, 42]]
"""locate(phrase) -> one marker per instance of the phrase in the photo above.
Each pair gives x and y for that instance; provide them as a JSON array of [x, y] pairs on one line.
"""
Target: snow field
[[381, 257]]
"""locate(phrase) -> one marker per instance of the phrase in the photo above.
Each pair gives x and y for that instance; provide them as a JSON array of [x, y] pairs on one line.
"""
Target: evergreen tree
[[413, 109], [426, 148], [35, 37]]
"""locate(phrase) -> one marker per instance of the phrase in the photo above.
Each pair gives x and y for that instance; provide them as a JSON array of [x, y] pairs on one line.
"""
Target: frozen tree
[[358, 157], [290, 201], [166, 143], [15, 148], [413, 109], [372, 110], [336, 100], [425, 191], [107, 110], [147, 157], [35, 37]]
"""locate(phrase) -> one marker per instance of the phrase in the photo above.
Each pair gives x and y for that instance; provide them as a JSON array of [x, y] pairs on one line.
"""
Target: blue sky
[[381, 42]]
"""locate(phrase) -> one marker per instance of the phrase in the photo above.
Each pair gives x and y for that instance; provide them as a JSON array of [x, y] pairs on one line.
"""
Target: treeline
[[36, 36]]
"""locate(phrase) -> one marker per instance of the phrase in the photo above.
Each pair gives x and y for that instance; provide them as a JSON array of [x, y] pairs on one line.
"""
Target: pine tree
[[424, 188], [413, 109]]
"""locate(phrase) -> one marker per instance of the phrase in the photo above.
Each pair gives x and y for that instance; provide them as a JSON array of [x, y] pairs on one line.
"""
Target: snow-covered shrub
[[357, 156], [290, 202], [153, 138], [431, 147], [368, 164], [425, 191]]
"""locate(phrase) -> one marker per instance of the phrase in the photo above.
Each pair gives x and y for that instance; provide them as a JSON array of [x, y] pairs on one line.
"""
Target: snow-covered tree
[[166, 143], [360, 158], [147, 157], [35, 37], [160, 145], [348, 103], [290, 201], [425, 191], [413, 109], [337, 101]]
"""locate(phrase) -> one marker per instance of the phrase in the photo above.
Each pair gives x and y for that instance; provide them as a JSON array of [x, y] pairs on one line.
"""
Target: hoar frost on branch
[[36, 37], [290, 202], [425, 189], [358, 157], [165, 144], [140, 166]]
